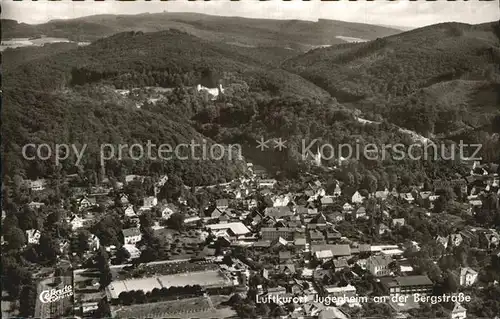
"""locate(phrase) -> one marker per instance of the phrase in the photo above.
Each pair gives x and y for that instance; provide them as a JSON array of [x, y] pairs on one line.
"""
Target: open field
[[207, 278]]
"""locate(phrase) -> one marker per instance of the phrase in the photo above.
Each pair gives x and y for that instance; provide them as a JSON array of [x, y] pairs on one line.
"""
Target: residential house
[[468, 276], [319, 219], [93, 242], [441, 185], [37, 185], [433, 198], [149, 202], [264, 273], [382, 195], [394, 193], [456, 240], [131, 178], [383, 229], [379, 265], [161, 181], [33, 236], [357, 198], [443, 241], [34, 205], [133, 251], [425, 194], [300, 243], [214, 92], [340, 264], [411, 246], [316, 237], [225, 217], [398, 222], [124, 199], [281, 200], [278, 212], [272, 233], [361, 213], [287, 269], [255, 219], [323, 255], [332, 313], [347, 208], [279, 243], [168, 211], [489, 239], [315, 309], [222, 204], [337, 192], [327, 201], [395, 253], [496, 182], [214, 213], [320, 275], [476, 203], [86, 203], [341, 295], [63, 246], [318, 190], [284, 256], [328, 251], [131, 236], [303, 210], [276, 292], [267, 183], [458, 312], [130, 212], [407, 197], [251, 203], [332, 235], [298, 287], [76, 222], [336, 217]]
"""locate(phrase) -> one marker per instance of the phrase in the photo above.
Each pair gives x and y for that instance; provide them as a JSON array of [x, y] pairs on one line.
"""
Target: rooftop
[[336, 250], [237, 228], [420, 280], [128, 232]]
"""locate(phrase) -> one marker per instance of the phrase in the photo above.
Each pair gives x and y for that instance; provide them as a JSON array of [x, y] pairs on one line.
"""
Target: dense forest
[[167, 58], [70, 95], [84, 116]]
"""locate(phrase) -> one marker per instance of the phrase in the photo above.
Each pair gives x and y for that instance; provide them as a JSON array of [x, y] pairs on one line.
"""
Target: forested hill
[[69, 97], [240, 31], [96, 115], [165, 58], [410, 74]]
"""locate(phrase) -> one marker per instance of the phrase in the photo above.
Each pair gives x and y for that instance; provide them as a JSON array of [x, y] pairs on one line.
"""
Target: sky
[[402, 13]]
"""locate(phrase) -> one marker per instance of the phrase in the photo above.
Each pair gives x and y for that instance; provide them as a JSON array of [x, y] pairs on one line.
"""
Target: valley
[[118, 136]]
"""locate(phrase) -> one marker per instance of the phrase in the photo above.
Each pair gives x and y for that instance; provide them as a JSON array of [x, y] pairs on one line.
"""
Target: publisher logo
[[53, 295]]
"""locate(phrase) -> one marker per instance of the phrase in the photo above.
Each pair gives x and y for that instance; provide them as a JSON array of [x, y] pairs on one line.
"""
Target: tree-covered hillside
[[97, 116], [396, 75], [166, 58]]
